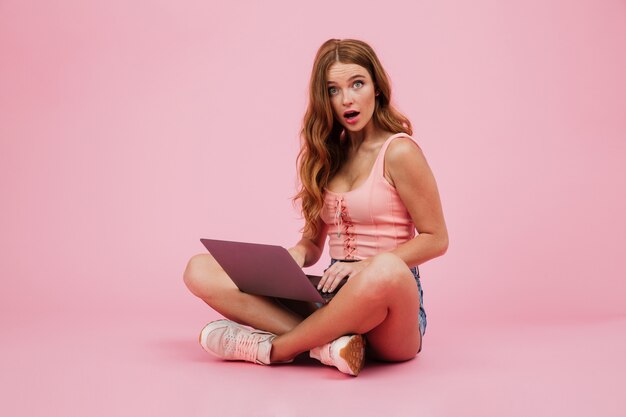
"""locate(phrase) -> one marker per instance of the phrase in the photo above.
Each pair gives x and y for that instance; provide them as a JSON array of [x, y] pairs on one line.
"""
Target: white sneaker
[[346, 354], [232, 341]]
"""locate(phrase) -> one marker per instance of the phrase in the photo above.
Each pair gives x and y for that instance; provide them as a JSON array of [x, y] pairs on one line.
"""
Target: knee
[[390, 272], [386, 275], [197, 275]]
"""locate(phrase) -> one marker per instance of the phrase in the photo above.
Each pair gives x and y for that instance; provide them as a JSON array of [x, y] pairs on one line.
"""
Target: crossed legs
[[382, 302]]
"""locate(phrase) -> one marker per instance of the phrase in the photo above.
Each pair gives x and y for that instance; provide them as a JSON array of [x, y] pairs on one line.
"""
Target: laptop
[[266, 270]]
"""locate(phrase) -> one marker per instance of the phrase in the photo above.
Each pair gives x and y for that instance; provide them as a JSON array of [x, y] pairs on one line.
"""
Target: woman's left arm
[[408, 171]]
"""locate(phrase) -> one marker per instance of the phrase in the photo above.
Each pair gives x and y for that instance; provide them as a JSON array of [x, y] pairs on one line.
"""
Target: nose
[[347, 98]]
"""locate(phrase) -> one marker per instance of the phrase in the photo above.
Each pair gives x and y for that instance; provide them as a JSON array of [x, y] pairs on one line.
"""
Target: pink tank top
[[370, 219]]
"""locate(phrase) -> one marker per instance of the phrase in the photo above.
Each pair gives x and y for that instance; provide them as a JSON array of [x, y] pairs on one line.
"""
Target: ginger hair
[[323, 143]]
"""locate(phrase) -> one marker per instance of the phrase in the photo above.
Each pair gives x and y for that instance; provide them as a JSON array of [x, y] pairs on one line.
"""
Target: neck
[[369, 134]]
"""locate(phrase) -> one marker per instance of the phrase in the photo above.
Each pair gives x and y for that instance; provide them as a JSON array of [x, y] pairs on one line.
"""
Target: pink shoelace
[[246, 346], [325, 357]]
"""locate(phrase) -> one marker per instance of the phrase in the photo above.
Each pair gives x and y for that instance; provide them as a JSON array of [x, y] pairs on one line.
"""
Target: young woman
[[366, 185]]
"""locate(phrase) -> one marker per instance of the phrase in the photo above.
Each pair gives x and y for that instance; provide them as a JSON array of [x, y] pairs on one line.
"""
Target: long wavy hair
[[324, 145]]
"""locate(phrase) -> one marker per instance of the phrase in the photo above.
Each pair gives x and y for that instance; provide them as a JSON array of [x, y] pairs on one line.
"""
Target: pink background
[[129, 130]]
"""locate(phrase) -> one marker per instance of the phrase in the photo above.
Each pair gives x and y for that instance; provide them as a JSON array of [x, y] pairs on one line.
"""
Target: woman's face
[[352, 95]]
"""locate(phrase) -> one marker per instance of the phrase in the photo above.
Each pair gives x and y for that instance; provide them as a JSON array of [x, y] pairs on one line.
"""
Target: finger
[[346, 274], [320, 284], [335, 284], [332, 285], [330, 275], [329, 281], [329, 284], [325, 276]]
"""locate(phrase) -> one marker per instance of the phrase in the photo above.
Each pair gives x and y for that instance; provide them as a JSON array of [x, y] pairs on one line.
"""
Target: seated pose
[[366, 185]]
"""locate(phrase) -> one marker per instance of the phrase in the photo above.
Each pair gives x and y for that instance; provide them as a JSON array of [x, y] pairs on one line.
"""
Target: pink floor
[[128, 365]]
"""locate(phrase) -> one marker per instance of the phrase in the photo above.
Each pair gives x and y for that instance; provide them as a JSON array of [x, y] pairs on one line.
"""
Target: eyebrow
[[354, 76]]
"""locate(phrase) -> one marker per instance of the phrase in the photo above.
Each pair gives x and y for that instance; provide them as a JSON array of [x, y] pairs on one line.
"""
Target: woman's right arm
[[309, 249]]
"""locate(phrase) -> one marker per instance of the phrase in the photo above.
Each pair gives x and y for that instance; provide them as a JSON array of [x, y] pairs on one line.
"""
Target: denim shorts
[[416, 274]]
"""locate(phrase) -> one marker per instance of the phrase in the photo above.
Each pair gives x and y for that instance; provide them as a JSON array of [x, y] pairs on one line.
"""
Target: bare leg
[[382, 301], [208, 281]]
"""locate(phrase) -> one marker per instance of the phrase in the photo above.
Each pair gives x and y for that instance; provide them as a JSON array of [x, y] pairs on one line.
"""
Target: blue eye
[[358, 84], [332, 91]]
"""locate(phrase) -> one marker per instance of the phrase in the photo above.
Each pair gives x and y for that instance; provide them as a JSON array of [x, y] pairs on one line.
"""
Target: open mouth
[[350, 115]]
